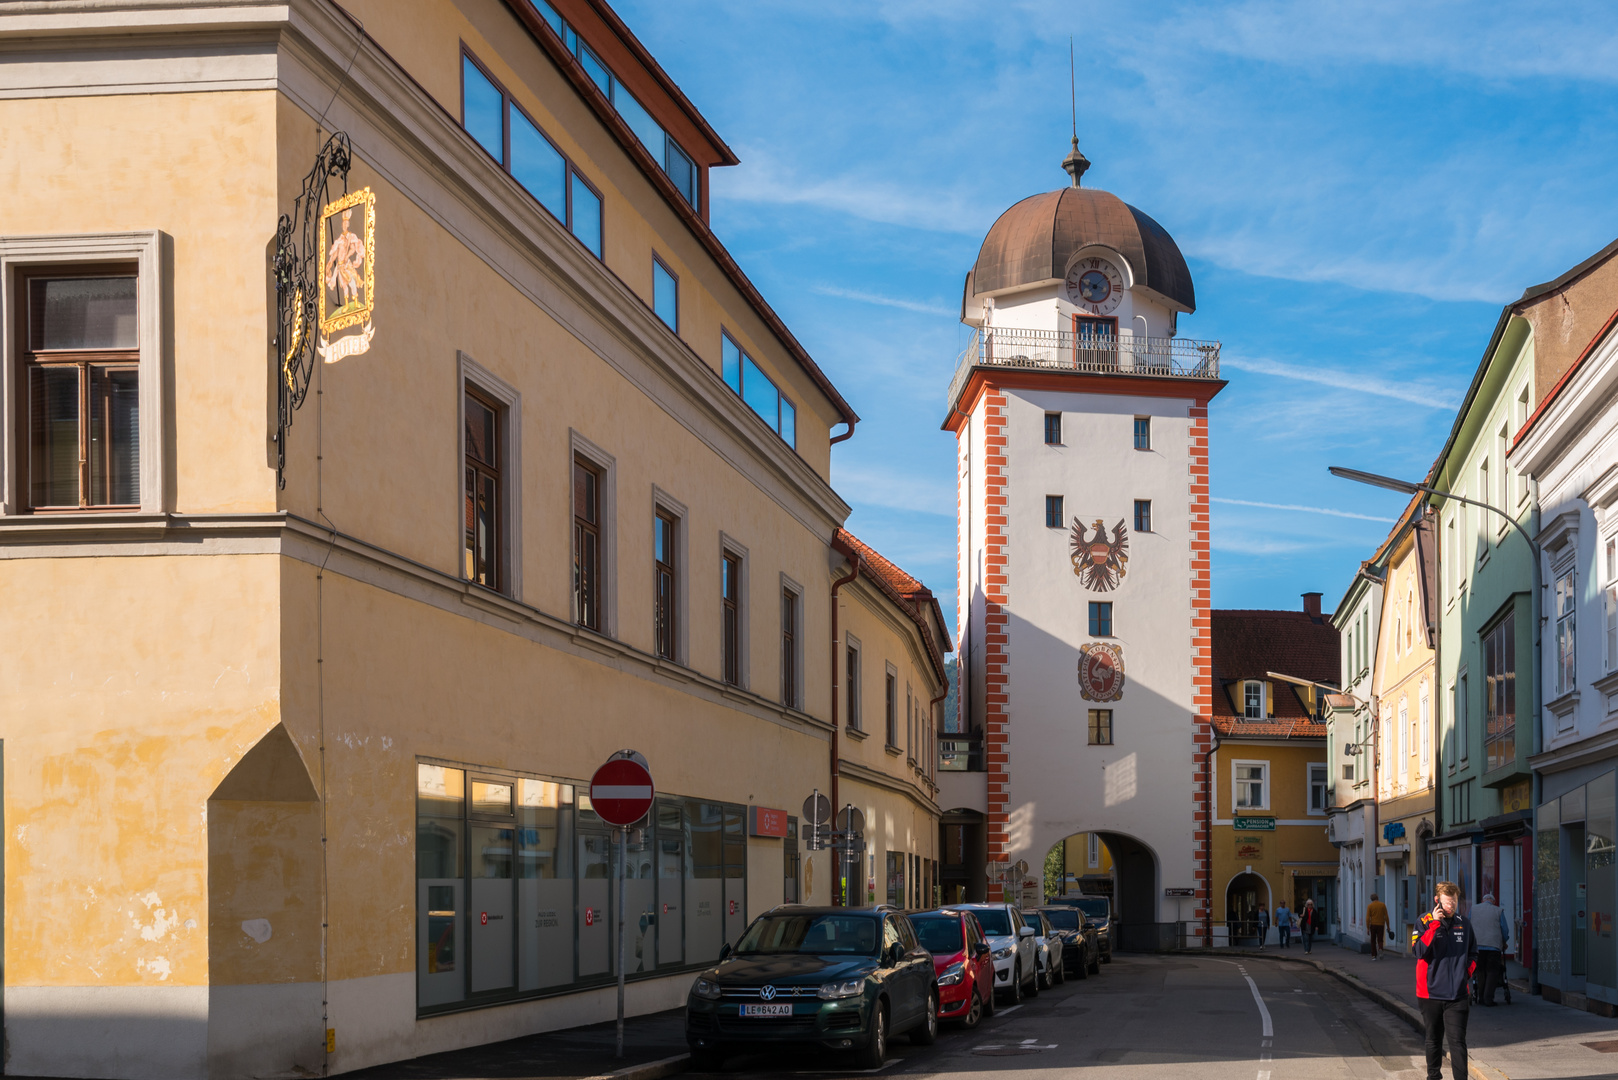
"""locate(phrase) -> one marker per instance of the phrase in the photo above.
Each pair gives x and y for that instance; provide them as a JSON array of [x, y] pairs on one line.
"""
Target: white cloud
[[884, 301], [763, 179], [1302, 509], [1414, 393], [870, 485]]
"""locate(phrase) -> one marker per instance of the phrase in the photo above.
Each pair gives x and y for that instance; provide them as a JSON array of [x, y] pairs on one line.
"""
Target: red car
[[961, 958]]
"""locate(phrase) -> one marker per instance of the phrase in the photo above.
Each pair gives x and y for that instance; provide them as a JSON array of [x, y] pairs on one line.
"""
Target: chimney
[[1311, 604]]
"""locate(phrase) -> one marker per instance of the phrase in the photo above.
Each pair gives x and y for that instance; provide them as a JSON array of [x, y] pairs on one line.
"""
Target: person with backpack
[[1446, 958]]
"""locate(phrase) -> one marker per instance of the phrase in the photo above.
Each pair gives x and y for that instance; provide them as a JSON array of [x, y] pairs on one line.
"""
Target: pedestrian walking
[[1283, 924], [1310, 923], [1494, 934], [1263, 925], [1376, 921], [1446, 957]]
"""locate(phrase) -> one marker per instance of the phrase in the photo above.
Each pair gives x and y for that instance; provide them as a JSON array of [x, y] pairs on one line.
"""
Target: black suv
[[844, 978]]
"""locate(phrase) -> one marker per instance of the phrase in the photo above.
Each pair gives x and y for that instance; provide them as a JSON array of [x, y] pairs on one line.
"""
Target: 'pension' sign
[[1256, 824]]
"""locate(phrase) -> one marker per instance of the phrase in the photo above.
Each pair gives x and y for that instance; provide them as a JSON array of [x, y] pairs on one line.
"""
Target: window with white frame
[[1425, 715], [1482, 524], [1253, 699], [1463, 718], [1501, 444], [1251, 782], [1522, 407], [1317, 788], [1565, 602], [1451, 736], [1404, 741], [1610, 595], [1093, 854]]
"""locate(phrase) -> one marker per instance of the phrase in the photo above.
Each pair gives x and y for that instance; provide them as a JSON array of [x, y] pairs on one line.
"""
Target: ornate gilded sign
[[347, 275], [1101, 671], [1100, 564]]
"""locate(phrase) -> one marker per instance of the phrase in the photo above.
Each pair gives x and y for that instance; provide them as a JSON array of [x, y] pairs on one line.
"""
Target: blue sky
[[1357, 187]]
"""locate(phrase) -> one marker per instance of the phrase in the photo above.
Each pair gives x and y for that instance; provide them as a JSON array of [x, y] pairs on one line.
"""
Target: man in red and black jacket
[[1446, 957]]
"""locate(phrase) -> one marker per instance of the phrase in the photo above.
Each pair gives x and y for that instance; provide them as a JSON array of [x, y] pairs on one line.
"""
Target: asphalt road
[[1146, 1017]]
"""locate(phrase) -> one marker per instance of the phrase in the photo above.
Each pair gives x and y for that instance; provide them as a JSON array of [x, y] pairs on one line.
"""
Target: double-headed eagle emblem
[[1100, 564]]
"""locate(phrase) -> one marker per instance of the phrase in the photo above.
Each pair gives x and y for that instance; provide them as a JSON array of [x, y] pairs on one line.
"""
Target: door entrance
[[1245, 895]]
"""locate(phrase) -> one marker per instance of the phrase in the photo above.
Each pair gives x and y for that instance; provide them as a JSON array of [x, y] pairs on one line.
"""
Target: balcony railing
[[1060, 350], [960, 751]]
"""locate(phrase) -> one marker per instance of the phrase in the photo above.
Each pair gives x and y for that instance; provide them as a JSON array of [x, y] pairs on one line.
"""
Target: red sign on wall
[[762, 821]]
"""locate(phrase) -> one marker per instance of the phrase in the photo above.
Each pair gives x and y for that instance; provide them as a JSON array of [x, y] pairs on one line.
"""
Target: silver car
[[1048, 948], [1012, 946]]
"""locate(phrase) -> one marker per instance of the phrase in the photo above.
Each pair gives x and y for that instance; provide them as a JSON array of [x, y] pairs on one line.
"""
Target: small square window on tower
[[1143, 515], [1053, 429], [1053, 511], [1101, 618], [1143, 433]]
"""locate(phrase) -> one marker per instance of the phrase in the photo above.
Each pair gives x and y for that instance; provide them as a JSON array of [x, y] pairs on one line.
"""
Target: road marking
[[1264, 1013], [1007, 1011], [1264, 1074]]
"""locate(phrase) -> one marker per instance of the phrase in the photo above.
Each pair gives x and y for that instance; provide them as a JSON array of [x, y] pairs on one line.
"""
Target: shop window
[[544, 884], [791, 865], [1500, 693], [440, 884]]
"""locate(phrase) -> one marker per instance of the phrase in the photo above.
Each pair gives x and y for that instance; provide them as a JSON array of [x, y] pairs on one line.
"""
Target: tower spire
[[1075, 163]]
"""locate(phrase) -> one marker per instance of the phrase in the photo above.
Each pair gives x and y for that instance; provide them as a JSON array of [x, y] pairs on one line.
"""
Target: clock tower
[[1081, 424]]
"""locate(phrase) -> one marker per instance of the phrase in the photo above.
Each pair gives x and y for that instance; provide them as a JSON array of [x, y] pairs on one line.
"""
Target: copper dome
[[1033, 241]]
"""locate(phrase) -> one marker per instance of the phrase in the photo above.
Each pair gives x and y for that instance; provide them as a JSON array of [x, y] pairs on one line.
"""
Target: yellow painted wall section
[[123, 703], [200, 167], [405, 680], [1289, 801], [426, 37]]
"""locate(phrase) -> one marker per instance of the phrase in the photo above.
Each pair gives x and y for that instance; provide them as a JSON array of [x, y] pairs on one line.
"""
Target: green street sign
[[1256, 824]]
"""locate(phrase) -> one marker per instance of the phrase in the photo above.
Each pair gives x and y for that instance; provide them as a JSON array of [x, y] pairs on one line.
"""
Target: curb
[[669, 1066], [1476, 1069]]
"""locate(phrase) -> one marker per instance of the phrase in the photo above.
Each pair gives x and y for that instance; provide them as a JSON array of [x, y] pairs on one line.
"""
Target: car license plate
[[767, 1010]]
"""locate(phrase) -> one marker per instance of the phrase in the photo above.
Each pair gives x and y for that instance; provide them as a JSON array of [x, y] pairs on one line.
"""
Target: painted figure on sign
[[344, 263], [1101, 671], [1100, 564]]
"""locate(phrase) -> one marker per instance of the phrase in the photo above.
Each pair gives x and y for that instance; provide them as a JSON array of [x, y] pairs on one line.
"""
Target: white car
[[1012, 943]]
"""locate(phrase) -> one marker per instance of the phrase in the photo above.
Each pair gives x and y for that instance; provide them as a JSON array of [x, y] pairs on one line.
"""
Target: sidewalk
[[654, 1047], [1530, 1039]]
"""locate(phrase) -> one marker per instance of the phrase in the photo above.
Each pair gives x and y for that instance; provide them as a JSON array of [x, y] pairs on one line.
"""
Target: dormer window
[[1253, 699]]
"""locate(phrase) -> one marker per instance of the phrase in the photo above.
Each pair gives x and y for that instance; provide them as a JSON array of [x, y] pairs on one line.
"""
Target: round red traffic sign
[[621, 791]]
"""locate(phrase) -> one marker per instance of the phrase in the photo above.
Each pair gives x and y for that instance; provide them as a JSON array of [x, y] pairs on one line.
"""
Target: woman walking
[[1310, 922]]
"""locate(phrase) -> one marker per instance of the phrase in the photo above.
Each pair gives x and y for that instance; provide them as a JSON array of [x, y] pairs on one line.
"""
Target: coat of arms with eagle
[[1099, 563]]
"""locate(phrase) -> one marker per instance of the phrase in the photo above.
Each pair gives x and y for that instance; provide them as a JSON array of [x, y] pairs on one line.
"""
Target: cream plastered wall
[[404, 679], [426, 37], [391, 472], [123, 704], [1405, 671], [200, 168]]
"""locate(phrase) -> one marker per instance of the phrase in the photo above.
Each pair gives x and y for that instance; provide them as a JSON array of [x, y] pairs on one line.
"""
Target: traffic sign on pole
[[817, 809], [621, 791]]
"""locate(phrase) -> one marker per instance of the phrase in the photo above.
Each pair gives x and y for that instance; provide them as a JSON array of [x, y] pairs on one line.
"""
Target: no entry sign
[[621, 791]]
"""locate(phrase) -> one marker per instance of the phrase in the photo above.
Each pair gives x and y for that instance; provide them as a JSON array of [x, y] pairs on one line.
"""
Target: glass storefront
[[516, 887], [1577, 887]]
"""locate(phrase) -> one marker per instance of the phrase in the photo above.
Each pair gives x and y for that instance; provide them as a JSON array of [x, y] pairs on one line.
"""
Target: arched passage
[[1117, 866], [1245, 894], [962, 840]]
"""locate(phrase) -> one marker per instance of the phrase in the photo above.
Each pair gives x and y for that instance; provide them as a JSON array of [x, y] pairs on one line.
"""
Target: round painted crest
[[1101, 672]]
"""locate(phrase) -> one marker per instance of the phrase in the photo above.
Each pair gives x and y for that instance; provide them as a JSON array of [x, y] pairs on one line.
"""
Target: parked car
[[961, 957], [1011, 944], [1047, 950], [1081, 948], [844, 978], [1097, 909]]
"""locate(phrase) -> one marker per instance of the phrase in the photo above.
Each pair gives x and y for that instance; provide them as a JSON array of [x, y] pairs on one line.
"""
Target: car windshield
[[1033, 923], [939, 934], [994, 922], [854, 935], [1063, 918], [1095, 908]]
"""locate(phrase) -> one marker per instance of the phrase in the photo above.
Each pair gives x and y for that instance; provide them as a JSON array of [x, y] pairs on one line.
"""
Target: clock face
[[1095, 286]]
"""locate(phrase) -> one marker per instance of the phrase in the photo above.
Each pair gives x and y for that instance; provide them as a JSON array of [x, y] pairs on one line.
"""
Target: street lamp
[[1534, 604]]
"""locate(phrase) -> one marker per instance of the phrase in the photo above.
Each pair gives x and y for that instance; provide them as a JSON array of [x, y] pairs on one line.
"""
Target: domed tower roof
[[1032, 242]]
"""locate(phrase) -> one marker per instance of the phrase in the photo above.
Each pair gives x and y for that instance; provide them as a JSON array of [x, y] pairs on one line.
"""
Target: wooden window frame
[[1056, 418], [1135, 434], [730, 548], [791, 639], [478, 473], [853, 672], [507, 103], [730, 619], [890, 703], [94, 254], [666, 590], [586, 535], [1100, 619], [1143, 505], [473, 378], [1097, 720], [1053, 503]]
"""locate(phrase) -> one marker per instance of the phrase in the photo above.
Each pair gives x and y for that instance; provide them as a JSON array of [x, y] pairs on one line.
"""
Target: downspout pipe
[[1207, 847], [836, 746]]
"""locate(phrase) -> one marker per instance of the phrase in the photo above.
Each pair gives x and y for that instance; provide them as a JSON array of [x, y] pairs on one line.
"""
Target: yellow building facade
[[308, 764]]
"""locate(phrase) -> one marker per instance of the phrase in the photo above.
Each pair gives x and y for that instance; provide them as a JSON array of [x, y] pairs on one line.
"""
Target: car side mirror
[[982, 949], [1089, 926], [896, 953], [724, 951], [1027, 931]]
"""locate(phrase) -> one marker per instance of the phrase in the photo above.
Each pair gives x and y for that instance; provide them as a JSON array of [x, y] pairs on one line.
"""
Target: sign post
[[621, 794]]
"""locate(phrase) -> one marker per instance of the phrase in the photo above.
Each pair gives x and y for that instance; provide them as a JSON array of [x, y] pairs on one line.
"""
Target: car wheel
[[1082, 970], [926, 1033], [707, 1060], [1014, 993], [1033, 983], [1095, 965], [876, 1051], [974, 1011], [989, 1006], [1042, 976], [1061, 971]]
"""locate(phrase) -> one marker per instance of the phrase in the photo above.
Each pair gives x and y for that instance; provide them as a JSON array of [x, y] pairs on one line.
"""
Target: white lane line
[[1263, 1012], [1007, 1011]]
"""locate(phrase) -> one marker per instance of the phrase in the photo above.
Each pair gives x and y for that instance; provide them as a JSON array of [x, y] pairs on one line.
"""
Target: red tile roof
[[907, 593], [1247, 645]]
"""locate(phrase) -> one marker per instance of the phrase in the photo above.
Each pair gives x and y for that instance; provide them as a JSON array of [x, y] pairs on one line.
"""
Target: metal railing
[[960, 752], [1061, 350]]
